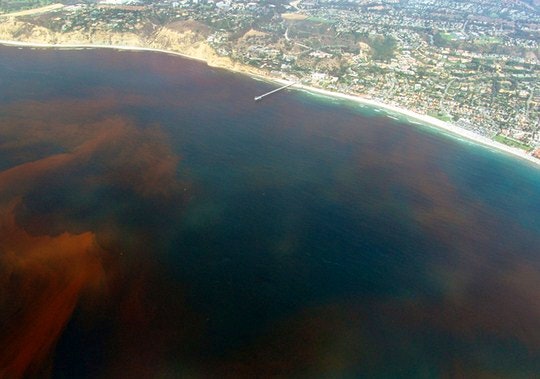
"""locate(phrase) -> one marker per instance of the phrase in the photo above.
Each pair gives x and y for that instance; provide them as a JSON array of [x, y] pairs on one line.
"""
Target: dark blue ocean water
[[294, 237]]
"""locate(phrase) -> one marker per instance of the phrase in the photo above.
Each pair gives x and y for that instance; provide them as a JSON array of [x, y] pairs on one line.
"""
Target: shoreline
[[427, 121], [424, 120]]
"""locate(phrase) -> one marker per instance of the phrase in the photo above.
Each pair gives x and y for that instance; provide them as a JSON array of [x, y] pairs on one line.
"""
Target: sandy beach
[[426, 120], [389, 109]]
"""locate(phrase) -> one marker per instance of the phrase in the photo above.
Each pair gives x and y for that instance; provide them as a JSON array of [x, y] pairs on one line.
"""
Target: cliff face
[[193, 44], [22, 31], [185, 40], [12, 29]]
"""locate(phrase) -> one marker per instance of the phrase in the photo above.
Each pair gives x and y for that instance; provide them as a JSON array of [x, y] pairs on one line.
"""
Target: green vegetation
[[448, 36], [441, 116], [7, 6], [487, 40], [321, 20], [383, 48], [512, 142]]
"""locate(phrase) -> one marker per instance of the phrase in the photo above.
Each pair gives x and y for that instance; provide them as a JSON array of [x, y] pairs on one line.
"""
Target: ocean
[[156, 222]]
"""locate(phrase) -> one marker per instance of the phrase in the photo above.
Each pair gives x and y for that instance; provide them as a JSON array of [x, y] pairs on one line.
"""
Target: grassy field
[[487, 40], [441, 116], [322, 20], [449, 36], [512, 142]]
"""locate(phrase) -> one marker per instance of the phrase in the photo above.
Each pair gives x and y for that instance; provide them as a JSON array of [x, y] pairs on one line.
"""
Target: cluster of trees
[[383, 48]]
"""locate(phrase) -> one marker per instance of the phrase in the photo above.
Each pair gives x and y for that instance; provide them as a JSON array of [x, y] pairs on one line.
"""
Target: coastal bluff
[[174, 37]]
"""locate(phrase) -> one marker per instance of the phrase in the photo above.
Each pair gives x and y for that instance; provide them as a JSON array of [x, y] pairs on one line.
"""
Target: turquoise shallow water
[[293, 237]]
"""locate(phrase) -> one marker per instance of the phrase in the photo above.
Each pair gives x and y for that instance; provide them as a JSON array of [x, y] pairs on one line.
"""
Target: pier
[[258, 98]]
